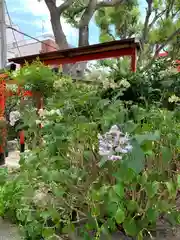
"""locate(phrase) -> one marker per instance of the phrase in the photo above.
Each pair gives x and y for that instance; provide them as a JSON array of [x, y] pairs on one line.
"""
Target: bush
[[64, 181], [147, 86]]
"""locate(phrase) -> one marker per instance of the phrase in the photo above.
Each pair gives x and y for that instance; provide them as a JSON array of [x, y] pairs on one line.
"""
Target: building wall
[[28, 49], [48, 45]]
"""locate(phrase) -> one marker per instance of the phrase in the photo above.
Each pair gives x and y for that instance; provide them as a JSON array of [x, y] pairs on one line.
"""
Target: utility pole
[[3, 43]]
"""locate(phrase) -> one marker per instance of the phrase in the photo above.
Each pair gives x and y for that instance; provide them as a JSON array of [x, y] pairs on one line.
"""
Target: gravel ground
[[12, 161]]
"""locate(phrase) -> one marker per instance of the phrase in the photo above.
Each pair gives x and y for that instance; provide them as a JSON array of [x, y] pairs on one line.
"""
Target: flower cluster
[[12, 87], [45, 116], [114, 144], [174, 98], [44, 113], [14, 116]]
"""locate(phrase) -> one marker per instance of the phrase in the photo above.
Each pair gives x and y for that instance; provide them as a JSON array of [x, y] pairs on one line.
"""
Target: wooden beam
[[92, 52], [93, 56]]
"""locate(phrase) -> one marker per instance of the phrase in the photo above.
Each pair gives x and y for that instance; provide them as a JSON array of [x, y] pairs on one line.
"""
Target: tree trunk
[[55, 14], [59, 35], [84, 23], [84, 35]]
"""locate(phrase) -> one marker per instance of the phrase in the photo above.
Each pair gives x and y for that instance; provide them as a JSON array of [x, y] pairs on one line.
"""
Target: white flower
[[14, 116], [114, 144], [114, 158], [174, 98], [52, 112], [125, 83], [41, 112], [38, 122], [58, 112]]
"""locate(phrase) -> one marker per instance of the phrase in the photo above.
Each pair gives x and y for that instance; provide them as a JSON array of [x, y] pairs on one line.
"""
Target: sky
[[32, 17]]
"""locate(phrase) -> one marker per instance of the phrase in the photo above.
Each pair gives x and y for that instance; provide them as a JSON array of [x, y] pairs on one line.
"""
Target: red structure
[[4, 93], [120, 48], [126, 47], [165, 54]]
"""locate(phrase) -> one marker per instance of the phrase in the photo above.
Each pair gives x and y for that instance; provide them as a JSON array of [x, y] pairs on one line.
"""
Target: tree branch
[[170, 38], [84, 23], [88, 13], [161, 47], [64, 6], [156, 18], [146, 23], [56, 24], [51, 4]]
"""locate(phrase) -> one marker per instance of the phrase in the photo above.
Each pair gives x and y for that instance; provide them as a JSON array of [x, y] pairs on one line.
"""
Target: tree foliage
[[78, 13], [159, 29]]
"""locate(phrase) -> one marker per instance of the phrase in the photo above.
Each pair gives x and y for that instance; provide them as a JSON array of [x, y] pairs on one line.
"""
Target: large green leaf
[[166, 154], [120, 216], [119, 189], [130, 227], [148, 137], [136, 158]]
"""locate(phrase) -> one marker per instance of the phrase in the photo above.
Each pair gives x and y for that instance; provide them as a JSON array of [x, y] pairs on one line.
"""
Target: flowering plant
[[37, 77], [114, 144]]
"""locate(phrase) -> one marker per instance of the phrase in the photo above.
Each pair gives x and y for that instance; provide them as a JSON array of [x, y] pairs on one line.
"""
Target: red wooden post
[[134, 60], [2, 118], [21, 133]]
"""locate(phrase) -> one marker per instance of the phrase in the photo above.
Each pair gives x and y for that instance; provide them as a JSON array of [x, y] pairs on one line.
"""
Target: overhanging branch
[[146, 23], [156, 17], [65, 5], [170, 38]]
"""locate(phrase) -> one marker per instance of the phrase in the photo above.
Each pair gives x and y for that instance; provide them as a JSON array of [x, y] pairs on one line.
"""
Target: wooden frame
[[120, 48]]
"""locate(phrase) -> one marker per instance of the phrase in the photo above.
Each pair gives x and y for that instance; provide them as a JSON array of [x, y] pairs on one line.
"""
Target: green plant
[[63, 181], [37, 77]]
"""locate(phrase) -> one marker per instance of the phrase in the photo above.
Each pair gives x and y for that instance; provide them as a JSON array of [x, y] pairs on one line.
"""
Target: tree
[[78, 13], [160, 28]]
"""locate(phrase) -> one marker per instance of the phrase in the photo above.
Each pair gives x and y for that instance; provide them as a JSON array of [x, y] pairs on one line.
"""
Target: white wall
[[27, 49]]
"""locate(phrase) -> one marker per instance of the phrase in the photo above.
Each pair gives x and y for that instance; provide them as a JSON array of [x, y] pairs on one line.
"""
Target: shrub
[[64, 181]]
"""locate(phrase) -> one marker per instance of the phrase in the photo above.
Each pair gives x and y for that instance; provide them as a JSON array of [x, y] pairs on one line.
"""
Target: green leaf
[[45, 215], [68, 228], [148, 137], [132, 206], [136, 158], [152, 215], [120, 216], [130, 227], [166, 154], [140, 235], [20, 215], [58, 191], [48, 232], [95, 211], [164, 206], [112, 208], [119, 189], [152, 189], [102, 162], [125, 174], [171, 188]]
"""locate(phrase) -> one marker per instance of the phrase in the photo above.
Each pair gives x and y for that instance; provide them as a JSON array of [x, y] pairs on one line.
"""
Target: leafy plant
[[37, 77], [65, 184]]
